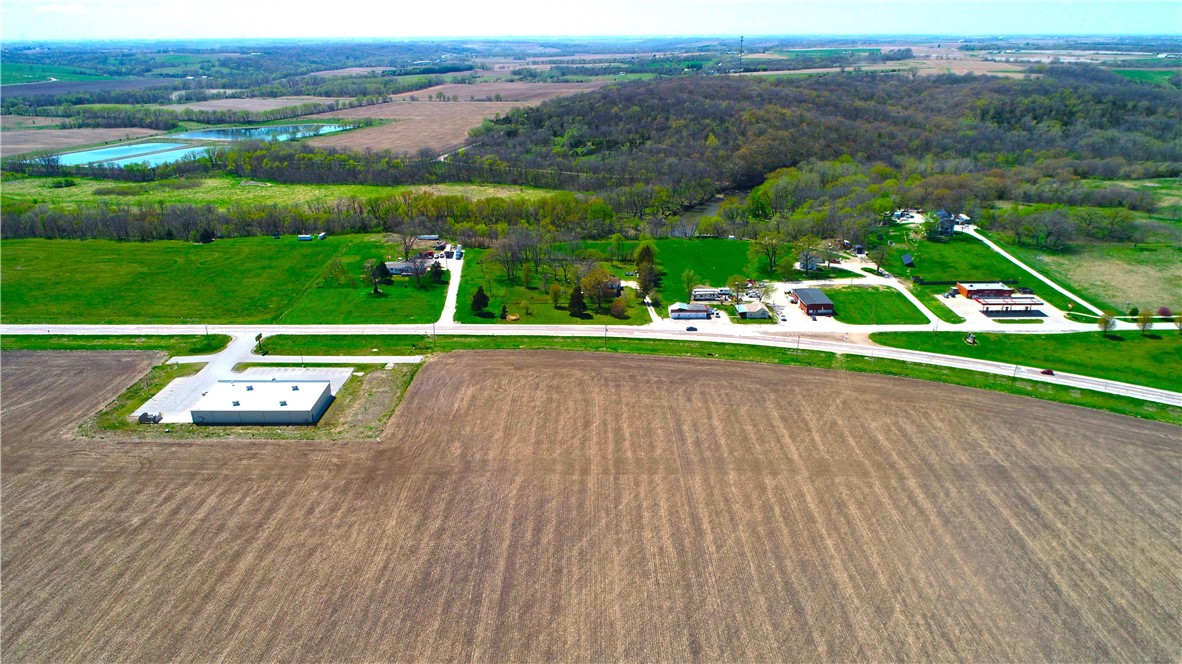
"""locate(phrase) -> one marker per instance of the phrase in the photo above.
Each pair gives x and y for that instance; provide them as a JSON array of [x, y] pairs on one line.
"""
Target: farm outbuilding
[[259, 402], [813, 301], [681, 310]]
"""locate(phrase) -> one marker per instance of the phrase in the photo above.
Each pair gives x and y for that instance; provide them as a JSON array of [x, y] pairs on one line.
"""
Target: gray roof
[[812, 296]]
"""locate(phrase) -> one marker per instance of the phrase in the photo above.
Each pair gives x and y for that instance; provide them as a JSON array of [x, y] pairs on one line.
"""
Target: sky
[[401, 19]]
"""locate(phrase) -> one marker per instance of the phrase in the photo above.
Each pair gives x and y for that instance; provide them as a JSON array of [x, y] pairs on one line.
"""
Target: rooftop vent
[[250, 388], [282, 403], [295, 388], [236, 404]]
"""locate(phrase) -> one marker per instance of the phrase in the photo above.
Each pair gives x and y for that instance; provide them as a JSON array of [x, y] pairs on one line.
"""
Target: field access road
[[455, 269], [734, 334]]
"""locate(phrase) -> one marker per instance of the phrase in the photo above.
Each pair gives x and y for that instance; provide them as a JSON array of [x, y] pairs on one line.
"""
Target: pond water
[[278, 133], [114, 152], [158, 158]]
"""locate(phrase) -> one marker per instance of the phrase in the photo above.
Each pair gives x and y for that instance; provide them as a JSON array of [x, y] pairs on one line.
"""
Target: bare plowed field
[[509, 91], [579, 507], [17, 142], [420, 124], [251, 103]]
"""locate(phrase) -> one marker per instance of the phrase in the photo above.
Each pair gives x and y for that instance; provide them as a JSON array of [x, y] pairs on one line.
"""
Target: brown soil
[[509, 91], [17, 142], [420, 124], [567, 507]]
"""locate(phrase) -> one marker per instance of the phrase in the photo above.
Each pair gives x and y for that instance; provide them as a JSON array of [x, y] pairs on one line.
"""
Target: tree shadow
[[1152, 336], [485, 314], [582, 316], [1113, 337]]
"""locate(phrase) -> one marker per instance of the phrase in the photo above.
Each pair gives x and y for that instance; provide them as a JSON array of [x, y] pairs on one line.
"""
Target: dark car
[[691, 328], [1047, 372]]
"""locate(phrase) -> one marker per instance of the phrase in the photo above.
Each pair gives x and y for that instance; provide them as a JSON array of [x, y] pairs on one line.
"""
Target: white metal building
[[263, 402], [693, 310]]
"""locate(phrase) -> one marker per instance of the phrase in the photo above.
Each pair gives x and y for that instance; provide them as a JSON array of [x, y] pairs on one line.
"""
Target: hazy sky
[[220, 19]]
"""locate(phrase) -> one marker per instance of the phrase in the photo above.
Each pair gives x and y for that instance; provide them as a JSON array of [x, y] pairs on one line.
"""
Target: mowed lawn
[[873, 305], [1127, 357], [713, 260], [532, 304], [243, 280]]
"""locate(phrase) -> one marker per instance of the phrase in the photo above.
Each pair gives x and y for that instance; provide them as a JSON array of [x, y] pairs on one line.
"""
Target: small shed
[[908, 261]]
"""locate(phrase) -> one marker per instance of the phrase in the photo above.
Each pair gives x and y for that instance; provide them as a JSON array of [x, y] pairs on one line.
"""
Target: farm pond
[[277, 133]]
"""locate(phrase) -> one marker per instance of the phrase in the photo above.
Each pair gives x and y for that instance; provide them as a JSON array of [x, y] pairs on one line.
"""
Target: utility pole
[[740, 54], [605, 337]]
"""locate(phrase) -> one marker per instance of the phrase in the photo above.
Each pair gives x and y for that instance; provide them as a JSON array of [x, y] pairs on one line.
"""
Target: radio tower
[[740, 54]]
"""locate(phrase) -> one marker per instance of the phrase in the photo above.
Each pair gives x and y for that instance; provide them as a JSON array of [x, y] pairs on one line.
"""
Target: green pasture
[[873, 305], [226, 191], [1128, 357], [244, 280], [1154, 76], [20, 72]]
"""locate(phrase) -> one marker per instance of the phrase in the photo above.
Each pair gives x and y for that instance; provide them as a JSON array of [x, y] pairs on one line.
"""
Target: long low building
[[263, 402], [813, 301], [680, 310], [973, 290], [1012, 303]]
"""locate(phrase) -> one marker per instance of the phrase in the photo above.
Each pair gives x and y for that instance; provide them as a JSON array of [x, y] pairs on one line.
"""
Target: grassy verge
[[1127, 357], [930, 296], [178, 345], [873, 305], [414, 345], [116, 416]]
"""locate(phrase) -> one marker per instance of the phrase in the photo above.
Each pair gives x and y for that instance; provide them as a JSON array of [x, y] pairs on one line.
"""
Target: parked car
[[691, 328], [1047, 372]]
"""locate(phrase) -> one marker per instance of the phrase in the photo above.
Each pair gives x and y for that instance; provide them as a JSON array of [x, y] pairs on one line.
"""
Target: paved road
[[455, 267], [668, 330]]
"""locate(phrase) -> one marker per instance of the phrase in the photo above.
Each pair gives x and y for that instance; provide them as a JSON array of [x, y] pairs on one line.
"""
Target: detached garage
[[263, 402]]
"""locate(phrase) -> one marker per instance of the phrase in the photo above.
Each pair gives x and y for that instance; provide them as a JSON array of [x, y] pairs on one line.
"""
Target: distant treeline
[[698, 136], [833, 199], [419, 70], [167, 119]]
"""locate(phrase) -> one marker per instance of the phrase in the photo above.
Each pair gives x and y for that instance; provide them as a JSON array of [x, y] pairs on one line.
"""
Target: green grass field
[[1154, 76], [1127, 357], [244, 280], [537, 308], [873, 305], [415, 345], [20, 72], [178, 345], [226, 191], [714, 261]]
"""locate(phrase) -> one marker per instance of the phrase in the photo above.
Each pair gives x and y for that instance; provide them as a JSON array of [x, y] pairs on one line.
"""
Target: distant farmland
[[636, 509], [509, 91], [19, 142], [418, 124], [250, 103]]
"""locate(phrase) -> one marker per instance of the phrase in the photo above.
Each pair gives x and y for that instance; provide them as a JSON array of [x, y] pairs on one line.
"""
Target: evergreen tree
[[576, 306], [479, 300]]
